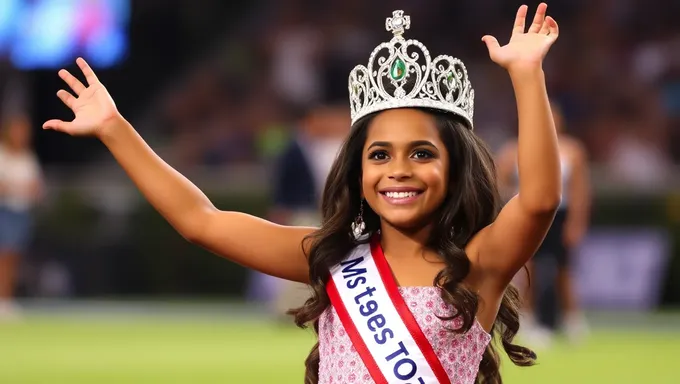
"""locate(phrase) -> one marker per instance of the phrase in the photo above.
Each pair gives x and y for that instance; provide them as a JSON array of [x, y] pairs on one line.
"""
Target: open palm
[[92, 105], [525, 48]]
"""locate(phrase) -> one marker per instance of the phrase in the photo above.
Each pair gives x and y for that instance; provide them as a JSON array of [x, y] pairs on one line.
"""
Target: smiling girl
[[411, 267]]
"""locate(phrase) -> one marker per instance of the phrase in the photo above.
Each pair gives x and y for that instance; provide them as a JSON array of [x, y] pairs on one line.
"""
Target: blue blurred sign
[[621, 268], [42, 34]]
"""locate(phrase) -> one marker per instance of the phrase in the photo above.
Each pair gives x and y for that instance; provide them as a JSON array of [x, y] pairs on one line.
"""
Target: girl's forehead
[[402, 126]]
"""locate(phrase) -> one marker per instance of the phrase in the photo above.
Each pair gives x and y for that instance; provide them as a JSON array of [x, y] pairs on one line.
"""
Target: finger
[[520, 20], [72, 82], [539, 18], [491, 42], [56, 125], [66, 98], [87, 71], [553, 27], [545, 28]]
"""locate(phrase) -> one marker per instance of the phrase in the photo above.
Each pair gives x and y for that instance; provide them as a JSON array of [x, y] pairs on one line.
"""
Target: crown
[[415, 79]]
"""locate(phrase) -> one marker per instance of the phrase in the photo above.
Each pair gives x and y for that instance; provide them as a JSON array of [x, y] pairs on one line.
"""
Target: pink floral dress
[[460, 354]]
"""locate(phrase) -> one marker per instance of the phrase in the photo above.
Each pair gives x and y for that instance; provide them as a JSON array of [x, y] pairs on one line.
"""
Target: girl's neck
[[400, 243], [12, 149]]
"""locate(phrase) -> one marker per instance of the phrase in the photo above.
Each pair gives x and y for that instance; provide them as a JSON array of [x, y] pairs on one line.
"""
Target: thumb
[[491, 42], [56, 125]]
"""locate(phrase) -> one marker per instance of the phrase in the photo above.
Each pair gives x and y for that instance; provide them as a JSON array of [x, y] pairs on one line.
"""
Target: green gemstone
[[398, 70], [449, 77]]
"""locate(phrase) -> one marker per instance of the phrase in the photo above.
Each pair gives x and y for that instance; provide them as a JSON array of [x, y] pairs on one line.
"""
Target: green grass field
[[132, 348]]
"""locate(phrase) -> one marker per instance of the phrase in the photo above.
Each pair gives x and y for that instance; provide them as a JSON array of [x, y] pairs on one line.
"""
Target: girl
[[411, 267]]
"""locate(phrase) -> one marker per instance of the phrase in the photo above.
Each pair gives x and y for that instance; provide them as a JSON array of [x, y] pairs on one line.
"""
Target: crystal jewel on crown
[[416, 79]]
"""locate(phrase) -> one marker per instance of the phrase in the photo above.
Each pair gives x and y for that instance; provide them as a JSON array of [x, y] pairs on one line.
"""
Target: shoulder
[[291, 162], [33, 158], [575, 149], [291, 150], [30, 161]]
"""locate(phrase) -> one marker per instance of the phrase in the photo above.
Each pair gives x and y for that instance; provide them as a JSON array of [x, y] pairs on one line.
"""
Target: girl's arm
[[244, 239], [505, 246]]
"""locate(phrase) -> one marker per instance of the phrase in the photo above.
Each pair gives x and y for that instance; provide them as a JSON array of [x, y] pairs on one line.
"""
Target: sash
[[383, 330]]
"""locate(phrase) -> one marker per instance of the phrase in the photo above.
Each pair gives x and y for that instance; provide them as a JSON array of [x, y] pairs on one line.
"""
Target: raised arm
[[246, 240], [507, 244]]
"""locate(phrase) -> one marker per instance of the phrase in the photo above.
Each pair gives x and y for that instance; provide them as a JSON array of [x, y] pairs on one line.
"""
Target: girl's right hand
[[93, 106]]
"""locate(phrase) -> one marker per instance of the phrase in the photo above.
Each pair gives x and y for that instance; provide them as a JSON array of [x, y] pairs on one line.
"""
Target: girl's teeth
[[400, 195]]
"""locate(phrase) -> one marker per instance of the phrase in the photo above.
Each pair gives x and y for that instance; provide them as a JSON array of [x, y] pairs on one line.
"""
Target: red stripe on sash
[[353, 333], [405, 313]]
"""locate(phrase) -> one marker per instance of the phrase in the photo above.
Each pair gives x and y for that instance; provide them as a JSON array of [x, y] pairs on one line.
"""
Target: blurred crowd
[[615, 72], [274, 91]]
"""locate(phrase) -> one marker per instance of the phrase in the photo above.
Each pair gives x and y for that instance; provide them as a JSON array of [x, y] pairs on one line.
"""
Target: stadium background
[[111, 293]]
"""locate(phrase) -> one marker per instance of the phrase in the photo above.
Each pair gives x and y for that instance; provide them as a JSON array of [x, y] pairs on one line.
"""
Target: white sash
[[378, 321]]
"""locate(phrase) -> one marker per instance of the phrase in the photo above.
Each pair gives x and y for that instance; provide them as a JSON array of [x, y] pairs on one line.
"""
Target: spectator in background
[[299, 176], [550, 301], [305, 163], [21, 186]]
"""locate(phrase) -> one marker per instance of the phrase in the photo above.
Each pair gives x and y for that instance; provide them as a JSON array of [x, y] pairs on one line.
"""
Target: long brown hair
[[472, 203]]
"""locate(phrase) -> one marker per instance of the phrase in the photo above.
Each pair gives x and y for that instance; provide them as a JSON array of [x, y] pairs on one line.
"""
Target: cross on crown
[[398, 23]]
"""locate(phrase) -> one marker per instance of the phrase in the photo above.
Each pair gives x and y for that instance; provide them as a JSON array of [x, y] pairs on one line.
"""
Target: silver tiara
[[441, 83]]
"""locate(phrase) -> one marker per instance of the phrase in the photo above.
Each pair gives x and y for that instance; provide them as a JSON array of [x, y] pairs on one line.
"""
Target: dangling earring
[[359, 226]]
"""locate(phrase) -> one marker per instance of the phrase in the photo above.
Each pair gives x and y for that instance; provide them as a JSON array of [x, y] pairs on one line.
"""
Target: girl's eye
[[378, 155], [422, 154]]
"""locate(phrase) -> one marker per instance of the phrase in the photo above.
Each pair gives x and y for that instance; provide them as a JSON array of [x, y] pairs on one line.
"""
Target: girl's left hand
[[525, 49]]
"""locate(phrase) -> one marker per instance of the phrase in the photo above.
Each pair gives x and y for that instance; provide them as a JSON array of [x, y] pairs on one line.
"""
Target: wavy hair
[[472, 203]]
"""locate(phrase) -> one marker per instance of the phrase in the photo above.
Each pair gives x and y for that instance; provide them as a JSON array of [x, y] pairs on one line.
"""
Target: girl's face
[[405, 167]]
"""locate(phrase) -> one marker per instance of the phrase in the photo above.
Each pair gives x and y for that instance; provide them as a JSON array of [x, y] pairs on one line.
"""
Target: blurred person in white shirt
[[298, 181], [550, 302], [21, 186]]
